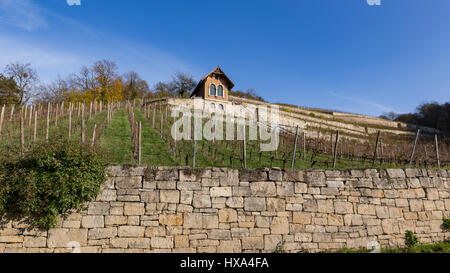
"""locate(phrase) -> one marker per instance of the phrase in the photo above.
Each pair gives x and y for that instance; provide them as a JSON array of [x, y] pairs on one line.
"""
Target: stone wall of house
[[160, 209]]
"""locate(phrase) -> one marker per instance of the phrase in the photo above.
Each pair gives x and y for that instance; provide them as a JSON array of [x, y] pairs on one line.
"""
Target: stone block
[[134, 209], [128, 182], [161, 242], [395, 173], [59, 238], [271, 242], [285, 189], [316, 178], [365, 209], [171, 219], [252, 243], [92, 221], [221, 192], [102, 233], [279, 225], [166, 175], [275, 175], [149, 196], [263, 189], [254, 204], [235, 202], [169, 196], [131, 231], [227, 215], [115, 220], [301, 188], [193, 220], [201, 201], [325, 206], [276, 204], [252, 175], [31, 242], [229, 246]]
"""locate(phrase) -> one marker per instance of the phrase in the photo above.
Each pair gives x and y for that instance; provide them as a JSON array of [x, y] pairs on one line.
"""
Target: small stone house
[[214, 88]]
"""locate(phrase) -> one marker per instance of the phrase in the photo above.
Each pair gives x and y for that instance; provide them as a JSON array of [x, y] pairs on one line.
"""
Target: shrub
[[447, 224], [411, 239], [50, 179]]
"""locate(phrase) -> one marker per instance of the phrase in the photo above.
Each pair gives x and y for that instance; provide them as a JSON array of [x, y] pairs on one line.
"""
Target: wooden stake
[[161, 129], [437, 151], [22, 134], [295, 148], [56, 115], [93, 136], [304, 146], [244, 149], [195, 144], [31, 116], [414, 147], [35, 124], [48, 122], [83, 127], [70, 120], [12, 112], [375, 150], [331, 145], [140, 143], [335, 149], [154, 113], [2, 115]]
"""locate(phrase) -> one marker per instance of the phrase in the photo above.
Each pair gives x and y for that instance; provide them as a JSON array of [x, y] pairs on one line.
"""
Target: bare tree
[[163, 89], [85, 79], [25, 77], [184, 83], [55, 91], [135, 86]]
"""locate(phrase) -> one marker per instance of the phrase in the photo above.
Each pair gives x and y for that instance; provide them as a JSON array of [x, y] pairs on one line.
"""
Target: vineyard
[[140, 133]]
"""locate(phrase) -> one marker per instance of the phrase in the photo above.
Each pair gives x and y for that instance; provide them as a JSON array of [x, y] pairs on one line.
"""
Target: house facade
[[214, 89]]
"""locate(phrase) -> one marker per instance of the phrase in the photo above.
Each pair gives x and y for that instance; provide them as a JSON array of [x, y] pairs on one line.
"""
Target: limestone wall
[[221, 210]]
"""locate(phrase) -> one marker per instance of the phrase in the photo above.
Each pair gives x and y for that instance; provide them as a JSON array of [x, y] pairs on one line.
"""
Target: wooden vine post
[[48, 122], [414, 147], [437, 151], [83, 126], [376, 148], [295, 148], [335, 149]]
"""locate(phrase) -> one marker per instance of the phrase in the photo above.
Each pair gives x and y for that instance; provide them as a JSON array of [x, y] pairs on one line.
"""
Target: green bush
[[50, 179], [447, 224], [411, 239]]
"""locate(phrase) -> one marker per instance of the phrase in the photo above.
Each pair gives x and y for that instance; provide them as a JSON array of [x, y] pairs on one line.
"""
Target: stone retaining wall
[[177, 209]]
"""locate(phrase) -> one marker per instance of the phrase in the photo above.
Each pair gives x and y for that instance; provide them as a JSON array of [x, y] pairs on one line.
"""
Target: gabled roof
[[218, 71]]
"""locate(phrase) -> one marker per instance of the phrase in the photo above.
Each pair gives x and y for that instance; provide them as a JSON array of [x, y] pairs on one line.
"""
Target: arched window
[[221, 107], [220, 91], [213, 106], [212, 90]]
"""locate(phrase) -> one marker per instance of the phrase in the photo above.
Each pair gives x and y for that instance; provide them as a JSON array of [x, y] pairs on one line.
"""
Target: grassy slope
[[154, 149], [117, 139]]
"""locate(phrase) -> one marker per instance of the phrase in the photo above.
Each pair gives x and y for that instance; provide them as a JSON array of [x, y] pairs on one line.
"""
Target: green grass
[[154, 149], [117, 139], [442, 247]]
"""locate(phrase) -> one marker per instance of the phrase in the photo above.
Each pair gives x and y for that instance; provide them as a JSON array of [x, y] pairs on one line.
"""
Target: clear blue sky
[[332, 54]]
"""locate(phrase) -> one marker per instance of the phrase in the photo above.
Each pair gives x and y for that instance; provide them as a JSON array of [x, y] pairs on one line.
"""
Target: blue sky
[[331, 54]]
